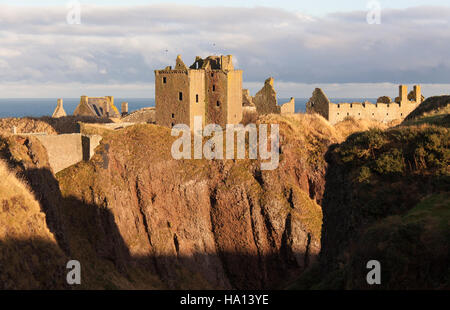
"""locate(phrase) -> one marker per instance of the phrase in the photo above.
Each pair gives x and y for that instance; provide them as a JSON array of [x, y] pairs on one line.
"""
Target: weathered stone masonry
[[382, 111], [210, 88]]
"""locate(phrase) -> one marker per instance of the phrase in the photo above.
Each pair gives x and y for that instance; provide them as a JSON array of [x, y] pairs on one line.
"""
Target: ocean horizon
[[37, 107]]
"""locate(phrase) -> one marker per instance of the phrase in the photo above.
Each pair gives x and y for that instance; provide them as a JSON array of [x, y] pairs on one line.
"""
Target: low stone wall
[[66, 150]]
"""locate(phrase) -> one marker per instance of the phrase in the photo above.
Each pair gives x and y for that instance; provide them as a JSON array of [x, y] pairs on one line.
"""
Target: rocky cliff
[[136, 218], [386, 199]]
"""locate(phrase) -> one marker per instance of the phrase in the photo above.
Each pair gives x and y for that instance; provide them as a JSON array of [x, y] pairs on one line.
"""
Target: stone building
[[59, 110], [210, 88], [383, 111], [97, 107]]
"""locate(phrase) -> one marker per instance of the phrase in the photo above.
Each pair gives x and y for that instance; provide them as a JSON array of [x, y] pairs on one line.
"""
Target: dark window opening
[[351, 105], [339, 106], [173, 115], [180, 96], [214, 87], [348, 114], [218, 103], [401, 114], [173, 124], [196, 98], [164, 80], [212, 74]]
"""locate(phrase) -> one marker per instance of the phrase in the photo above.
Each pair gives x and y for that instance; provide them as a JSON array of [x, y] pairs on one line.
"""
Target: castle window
[[180, 96], [196, 98], [401, 114], [348, 114], [214, 87], [388, 105], [359, 113], [351, 105], [339, 106], [212, 74], [373, 114], [338, 114], [173, 124], [387, 113], [173, 115], [218, 103], [164, 80]]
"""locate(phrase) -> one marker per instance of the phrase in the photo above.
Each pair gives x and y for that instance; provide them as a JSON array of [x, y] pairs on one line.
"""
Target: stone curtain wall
[[382, 112]]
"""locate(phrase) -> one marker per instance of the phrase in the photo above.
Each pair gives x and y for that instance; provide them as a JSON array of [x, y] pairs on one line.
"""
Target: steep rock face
[[136, 218], [386, 199], [204, 224]]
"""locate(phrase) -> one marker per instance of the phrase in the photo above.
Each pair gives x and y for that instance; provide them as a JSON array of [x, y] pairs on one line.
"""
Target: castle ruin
[[383, 111], [97, 107], [210, 88]]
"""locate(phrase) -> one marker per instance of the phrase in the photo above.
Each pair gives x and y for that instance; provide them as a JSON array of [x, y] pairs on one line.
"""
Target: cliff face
[[386, 199], [223, 224], [136, 218]]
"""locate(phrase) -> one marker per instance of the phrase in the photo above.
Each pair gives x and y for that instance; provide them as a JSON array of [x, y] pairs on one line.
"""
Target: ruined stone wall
[[266, 99], [68, 149], [318, 103], [247, 100], [381, 112], [234, 103], [170, 110], [288, 107], [63, 150]]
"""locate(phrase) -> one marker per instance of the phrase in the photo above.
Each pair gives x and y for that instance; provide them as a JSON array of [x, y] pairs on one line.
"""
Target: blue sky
[[302, 44]]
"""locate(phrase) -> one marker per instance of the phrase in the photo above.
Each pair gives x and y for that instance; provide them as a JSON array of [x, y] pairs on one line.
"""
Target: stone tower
[[210, 88]]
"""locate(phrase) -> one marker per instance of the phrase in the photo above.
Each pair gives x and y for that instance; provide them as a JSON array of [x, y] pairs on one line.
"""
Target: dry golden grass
[[20, 214], [351, 125], [25, 125]]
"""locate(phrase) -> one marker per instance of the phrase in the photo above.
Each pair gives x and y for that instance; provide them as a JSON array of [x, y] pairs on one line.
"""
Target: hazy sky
[[302, 44]]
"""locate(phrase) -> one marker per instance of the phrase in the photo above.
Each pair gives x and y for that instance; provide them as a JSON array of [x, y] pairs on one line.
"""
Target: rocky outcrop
[[136, 218], [384, 197]]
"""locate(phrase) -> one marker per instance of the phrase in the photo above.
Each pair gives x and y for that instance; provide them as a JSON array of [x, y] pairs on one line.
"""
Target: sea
[[23, 107]]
